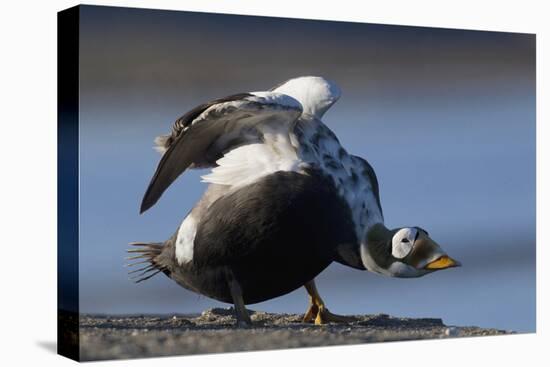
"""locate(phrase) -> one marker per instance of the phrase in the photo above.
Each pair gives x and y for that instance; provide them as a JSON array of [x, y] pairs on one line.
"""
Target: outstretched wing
[[204, 134]]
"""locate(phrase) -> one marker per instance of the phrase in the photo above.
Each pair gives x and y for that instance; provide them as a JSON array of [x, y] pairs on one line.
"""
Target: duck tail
[[144, 253]]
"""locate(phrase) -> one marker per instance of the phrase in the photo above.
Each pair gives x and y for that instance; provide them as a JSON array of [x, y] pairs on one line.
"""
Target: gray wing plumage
[[204, 134], [164, 142]]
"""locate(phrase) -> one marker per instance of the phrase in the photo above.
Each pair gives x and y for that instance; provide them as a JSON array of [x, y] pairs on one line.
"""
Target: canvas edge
[[68, 341]]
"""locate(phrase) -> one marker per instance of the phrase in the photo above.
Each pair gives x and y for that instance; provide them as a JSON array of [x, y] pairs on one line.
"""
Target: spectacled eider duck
[[284, 200]]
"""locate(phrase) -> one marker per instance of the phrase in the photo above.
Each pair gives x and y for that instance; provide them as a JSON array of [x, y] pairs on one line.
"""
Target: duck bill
[[444, 262]]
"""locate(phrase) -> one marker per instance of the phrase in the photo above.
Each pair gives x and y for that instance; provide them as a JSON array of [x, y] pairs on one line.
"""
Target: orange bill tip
[[443, 262]]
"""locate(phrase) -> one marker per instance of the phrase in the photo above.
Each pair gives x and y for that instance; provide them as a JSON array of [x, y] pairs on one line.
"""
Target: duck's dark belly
[[260, 279], [273, 236]]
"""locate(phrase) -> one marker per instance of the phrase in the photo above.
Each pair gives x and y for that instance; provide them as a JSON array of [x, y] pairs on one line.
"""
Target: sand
[[214, 331]]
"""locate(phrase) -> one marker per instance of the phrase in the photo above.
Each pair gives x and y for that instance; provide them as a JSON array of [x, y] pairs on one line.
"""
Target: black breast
[[275, 235]]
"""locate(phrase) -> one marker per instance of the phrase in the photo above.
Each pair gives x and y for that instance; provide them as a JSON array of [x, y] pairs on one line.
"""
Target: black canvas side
[[67, 182]]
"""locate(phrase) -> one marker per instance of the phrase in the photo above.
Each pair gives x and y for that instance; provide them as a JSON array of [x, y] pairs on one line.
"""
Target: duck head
[[406, 252]]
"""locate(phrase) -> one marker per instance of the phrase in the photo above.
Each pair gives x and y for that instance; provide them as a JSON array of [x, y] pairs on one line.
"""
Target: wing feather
[[206, 133]]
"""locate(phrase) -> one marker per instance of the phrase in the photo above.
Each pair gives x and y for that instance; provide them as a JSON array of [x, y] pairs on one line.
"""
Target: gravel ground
[[138, 336]]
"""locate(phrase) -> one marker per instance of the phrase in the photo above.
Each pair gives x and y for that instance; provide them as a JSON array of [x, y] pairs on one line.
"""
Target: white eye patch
[[402, 242]]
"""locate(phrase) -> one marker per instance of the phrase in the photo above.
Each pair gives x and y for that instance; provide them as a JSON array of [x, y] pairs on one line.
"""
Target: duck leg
[[317, 312], [243, 318]]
